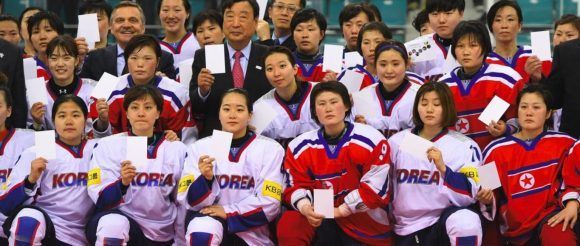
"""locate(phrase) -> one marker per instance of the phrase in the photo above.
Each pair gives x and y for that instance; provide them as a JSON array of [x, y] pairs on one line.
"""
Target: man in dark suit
[[127, 20], [281, 13], [11, 66], [243, 60], [564, 84]]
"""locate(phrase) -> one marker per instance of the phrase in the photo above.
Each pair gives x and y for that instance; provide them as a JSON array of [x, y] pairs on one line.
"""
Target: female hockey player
[[393, 97], [12, 143], [56, 188], [475, 83], [231, 202], [353, 161], [431, 194], [63, 60], [290, 97], [530, 202], [135, 201]]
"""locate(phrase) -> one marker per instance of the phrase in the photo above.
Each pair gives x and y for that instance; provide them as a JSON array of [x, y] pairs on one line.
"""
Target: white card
[[36, 91], [105, 86], [221, 142], [324, 202], [488, 176], [91, 45], [185, 72], [332, 58], [421, 50], [263, 4], [494, 110], [262, 116], [416, 146], [88, 27], [361, 102], [45, 145], [137, 151], [215, 58], [29, 66], [352, 59], [541, 45], [352, 80]]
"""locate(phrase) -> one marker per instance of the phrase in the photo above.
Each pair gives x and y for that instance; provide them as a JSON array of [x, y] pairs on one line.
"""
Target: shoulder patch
[[94, 177], [272, 189], [470, 172], [184, 183]]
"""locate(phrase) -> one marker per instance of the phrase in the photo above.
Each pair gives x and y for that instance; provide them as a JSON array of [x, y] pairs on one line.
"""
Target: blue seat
[[394, 12], [537, 12]]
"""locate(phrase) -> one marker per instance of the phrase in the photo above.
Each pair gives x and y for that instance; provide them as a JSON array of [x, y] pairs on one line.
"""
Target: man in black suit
[[564, 84], [243, 60], [281, 13], [127, 20], [11, 66]]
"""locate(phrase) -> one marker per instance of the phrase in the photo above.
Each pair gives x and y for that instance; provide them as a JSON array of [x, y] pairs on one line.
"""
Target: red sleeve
[[297, 176], [374, 187]]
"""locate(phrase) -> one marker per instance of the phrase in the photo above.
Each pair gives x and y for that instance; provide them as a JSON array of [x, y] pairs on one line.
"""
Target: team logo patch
[[272, 189], [184, 183], [527, 181], [94, 177], [462, 125], [470, 172]]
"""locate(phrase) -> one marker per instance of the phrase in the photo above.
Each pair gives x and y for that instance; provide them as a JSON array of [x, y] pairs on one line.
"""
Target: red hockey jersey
[[518, 63]]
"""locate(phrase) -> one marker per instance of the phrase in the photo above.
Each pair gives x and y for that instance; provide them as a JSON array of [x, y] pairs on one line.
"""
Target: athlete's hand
[[205, 80], [533, 67], [435, 155], [171, 136], [263, 30], [38, 110], [360, 119], [329, 76], [214, 211], [484, 196], [313, 218], [37, 166], [568, 215], [128, 172], [206, 167], [496, 129]]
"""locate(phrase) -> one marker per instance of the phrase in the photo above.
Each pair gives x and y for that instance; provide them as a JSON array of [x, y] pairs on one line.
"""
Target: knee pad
[[204, 230], [113, 229], [464, 228], [28, 227]]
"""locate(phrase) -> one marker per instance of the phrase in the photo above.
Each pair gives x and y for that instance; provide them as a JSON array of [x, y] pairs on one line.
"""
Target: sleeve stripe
[[243, 222], [457, 182], [197, 191]]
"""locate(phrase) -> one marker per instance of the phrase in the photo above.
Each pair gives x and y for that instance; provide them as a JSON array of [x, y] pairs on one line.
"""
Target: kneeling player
[[233, 201], [135, 205], [431, 194], [61, 205], [350, 158]]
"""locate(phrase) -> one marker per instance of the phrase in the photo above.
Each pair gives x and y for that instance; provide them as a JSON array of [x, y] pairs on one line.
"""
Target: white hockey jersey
[[430, 58], [149, 198], [60, 192], [420, 192], [185, 49], [11, 146], [248, 186], [83, 90], [292, 119], [391, 116]]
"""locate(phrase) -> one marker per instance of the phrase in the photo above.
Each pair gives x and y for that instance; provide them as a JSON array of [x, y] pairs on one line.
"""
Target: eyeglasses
[[282, 7]]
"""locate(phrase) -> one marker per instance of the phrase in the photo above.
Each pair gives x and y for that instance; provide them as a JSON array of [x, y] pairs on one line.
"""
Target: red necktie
[[237, 71]]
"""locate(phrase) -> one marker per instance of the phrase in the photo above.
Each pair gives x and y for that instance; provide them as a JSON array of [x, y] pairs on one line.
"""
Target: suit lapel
[[251, 70], [229, 78], [111, 55]]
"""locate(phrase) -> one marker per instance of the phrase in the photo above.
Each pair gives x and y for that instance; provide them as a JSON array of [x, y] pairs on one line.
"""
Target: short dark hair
[[229, 3], [352, 10], [330, 86], [446, 99], [392, 45], [21, 17], [52, 19], [4, 88], [69, 98], [373, 26], [568, 19], [307, 14], [239, 91], [444, 5], [499, 5], [421, 19], [137, 42], [473, 29], [186, 5], [96, 6], [207, 15], [65, 42], [141, 91], [279, 50], [376, 11], [302, 3], [538, 89], [10, 18]]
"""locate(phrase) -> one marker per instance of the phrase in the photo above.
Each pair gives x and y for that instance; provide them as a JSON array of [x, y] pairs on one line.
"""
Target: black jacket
[[11, 66], [288, 43]]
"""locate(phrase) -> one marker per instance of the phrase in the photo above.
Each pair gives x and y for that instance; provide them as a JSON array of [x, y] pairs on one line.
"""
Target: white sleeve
[[194, 191]]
